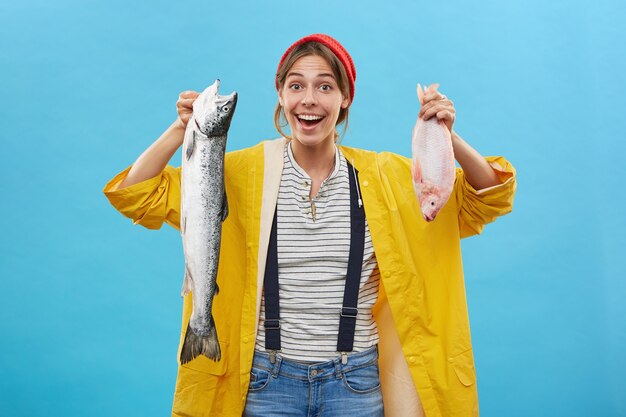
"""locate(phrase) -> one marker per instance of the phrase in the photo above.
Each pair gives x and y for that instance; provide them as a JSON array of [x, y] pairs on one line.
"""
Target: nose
[[309, 97]]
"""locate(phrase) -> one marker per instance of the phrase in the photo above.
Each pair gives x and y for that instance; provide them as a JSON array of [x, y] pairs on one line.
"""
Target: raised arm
[[148, 192], [477, 170], [485, 186], [154, 159]]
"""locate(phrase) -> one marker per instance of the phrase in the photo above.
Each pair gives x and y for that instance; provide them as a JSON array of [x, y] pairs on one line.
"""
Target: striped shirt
[[313, 247]]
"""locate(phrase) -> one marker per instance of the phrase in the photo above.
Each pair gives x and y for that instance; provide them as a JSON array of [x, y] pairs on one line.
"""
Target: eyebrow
[[324, 74]]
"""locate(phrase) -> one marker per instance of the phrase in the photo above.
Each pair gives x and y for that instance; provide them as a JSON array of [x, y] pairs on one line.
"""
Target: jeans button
[[314, 372]]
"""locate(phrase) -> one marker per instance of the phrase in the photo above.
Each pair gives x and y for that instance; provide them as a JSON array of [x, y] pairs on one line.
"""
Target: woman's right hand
[[184, 107]]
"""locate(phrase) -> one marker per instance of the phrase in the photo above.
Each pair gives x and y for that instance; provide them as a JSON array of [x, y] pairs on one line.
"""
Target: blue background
[[89, 303]]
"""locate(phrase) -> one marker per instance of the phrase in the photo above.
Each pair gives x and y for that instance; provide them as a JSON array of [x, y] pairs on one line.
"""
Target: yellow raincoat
[[425, 351]]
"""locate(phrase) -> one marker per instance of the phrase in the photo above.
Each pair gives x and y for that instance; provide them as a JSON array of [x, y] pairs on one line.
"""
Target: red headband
[[337, 49]]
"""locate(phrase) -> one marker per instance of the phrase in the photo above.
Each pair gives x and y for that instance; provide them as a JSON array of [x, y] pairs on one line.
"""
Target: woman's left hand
[[437, 104]]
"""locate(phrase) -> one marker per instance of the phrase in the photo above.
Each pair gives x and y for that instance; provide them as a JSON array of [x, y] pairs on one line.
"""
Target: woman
[[343, 332]]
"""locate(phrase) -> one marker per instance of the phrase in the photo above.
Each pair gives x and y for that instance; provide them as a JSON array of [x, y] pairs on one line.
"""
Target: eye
[[225, 109], [295, 86], [326, 87], [432, 203]]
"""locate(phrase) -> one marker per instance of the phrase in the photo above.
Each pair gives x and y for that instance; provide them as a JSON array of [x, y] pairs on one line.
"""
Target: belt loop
[[276, 367], [338, 371]]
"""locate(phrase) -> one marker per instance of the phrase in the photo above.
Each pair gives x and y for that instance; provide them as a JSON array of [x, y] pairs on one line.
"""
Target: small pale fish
[[203, 209], [433, 166]]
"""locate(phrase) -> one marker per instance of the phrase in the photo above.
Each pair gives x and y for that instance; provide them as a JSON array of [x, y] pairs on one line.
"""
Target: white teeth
[[309, 117]]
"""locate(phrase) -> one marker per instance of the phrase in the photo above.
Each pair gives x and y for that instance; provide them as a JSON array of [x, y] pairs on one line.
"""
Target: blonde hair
[[314, 48]]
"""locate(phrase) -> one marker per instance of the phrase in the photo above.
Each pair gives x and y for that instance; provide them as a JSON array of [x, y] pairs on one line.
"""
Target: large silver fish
[[203, 209]]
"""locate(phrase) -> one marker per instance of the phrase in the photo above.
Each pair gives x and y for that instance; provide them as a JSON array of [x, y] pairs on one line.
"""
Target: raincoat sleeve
[[150, 202], [479, 207]]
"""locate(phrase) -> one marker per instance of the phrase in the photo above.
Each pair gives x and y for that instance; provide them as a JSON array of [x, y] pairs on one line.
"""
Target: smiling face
[[311, 100]]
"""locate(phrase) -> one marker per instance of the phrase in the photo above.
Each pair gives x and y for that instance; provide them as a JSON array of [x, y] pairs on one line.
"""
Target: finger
[[445, 115], [428, 106], [436, 109], [433, 100], [189, 94], [434, 97], [434, 103], [185, 102]]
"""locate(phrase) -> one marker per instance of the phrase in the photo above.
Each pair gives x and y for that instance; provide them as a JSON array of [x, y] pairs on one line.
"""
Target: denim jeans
[[326, 389]]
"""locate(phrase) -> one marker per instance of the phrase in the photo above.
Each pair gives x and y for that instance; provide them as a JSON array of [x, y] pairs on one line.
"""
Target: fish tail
[[195, 345]]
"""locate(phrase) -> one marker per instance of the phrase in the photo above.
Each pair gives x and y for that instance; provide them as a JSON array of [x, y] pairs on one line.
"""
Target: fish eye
[[225, 108], [432, 203]]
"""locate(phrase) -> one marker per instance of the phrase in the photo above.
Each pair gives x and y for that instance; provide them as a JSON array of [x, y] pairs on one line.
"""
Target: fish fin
[[224, 206], [416, 170], [217, 289], [195, 345], [187, 283], [191, 145]]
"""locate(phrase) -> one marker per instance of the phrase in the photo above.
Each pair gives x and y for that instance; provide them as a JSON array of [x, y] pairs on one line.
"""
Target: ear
[[280, 97], [345, 102]]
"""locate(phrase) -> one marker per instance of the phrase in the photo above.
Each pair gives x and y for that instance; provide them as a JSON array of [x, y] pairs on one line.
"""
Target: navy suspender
[[270, 290], [347, 319]]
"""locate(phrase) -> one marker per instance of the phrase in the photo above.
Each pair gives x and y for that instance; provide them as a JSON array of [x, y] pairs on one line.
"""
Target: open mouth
[[309, 121]]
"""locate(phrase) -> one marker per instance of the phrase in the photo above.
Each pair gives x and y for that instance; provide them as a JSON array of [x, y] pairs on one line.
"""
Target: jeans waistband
[[314, 371]]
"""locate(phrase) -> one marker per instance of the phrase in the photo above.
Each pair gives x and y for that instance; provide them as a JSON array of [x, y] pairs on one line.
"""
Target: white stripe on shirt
[[312, 266]]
